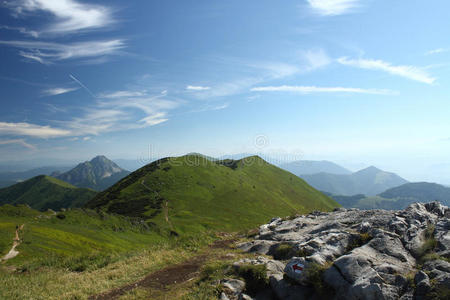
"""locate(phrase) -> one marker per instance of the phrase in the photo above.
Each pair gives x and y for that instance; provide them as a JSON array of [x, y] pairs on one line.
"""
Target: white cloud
[[45, 53], [71, 16], [58, 91], [22, 30], [21, 142], [155, 119], [121, 113], [315, 59], [122, 94], [197, 88], [315, 89], [333, 7], [31, 130], [410, 72], [437, 51]]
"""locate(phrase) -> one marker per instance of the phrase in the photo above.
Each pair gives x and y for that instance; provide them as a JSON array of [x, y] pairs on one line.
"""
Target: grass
[[255, 277], [58, 283], [426, 251], [209, 195], [44, 192], [358, 240], [83, 254], [314, 275]]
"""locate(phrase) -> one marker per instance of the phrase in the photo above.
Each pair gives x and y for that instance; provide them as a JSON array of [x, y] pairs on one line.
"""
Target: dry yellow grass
[[51, 283]]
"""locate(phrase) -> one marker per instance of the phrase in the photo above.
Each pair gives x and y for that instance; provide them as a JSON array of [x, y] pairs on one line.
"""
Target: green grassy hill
[[71, 239], [370, 181], [192, 193], [44, 192]]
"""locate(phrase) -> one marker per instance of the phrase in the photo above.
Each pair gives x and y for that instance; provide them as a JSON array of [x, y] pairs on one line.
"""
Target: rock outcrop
[[356, 254]]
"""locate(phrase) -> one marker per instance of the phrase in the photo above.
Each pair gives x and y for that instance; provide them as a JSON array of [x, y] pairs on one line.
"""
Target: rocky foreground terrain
[[349, 254]]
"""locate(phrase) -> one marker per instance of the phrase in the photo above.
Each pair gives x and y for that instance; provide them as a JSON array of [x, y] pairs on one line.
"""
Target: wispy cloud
[[437, 51], [410, 72], [197, 88], [109, 114], [315, 59], [71, 16], [333, 7], [31, 130], [21, 142], [122, 94], [58, 91], [46, 53], [22, 30], [315, 89]]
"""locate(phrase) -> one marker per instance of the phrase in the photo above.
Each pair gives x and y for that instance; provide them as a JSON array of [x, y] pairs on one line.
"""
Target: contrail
[[82, 85]]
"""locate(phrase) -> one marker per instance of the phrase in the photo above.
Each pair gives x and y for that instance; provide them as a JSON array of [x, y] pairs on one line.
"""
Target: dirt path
[[16, 242], [165, 205], [161, 280]]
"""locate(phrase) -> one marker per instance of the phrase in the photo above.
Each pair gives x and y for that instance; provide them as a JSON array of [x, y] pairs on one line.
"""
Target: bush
[[61, 216], [255, 277], [283, 251]]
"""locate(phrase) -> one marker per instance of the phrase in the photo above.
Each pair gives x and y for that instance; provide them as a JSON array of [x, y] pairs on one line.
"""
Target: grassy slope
[[83, 254], [203, 194], [81, 232], [43, 192]]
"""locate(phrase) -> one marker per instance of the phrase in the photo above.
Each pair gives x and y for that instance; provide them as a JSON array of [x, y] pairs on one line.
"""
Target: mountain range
[[370, 181], [10, 178], [398, 197], [97, 174], [44, 192], [308, 167], [192, 193]]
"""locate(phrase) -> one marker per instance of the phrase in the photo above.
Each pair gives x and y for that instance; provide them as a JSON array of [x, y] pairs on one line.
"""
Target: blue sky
[[345, 80]]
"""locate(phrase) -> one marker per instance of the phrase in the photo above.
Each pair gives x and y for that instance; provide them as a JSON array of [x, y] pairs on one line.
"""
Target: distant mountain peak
[[371, 169], [98, 173]]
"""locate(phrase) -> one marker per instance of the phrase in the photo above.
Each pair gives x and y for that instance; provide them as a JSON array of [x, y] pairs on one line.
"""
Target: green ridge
[[206, 194], [45, 192]]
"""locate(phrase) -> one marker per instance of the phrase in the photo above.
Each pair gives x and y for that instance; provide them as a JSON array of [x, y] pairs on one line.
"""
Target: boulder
[[370, 253]]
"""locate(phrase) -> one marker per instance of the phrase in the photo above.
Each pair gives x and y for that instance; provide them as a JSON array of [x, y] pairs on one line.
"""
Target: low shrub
[[255, 277], [314, 275], [283, 251]]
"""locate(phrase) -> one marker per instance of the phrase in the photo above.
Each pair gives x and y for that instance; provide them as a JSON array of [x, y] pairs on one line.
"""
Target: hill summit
[[193, 193], [43, 192], [98, 174]]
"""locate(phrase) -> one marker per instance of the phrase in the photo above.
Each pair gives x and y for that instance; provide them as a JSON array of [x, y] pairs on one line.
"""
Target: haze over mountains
[[308, 167], [10, 178]]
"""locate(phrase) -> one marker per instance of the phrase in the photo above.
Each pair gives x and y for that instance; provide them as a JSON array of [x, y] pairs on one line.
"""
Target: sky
[[356, 82]]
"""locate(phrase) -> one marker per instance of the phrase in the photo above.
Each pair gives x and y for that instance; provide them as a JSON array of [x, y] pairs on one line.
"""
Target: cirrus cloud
[[31, 130], [71, 16], [333, 7], [410, 72], [47, 53], [197, 88], [315, 89]]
